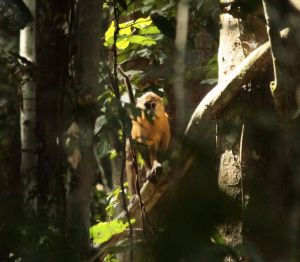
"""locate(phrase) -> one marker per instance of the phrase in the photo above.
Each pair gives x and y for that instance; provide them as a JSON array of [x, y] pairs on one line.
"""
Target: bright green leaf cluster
[[103, 231], [110, 258], [132, 32]]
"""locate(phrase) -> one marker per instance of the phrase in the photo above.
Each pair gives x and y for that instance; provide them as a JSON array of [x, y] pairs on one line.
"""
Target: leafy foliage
[[103, 231], [211, 71], [132, 36], [128, 33], [110, 258], [113, 199]]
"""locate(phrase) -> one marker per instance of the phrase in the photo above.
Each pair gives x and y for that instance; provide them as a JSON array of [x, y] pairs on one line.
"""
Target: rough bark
[[87, 59], [230, 55]]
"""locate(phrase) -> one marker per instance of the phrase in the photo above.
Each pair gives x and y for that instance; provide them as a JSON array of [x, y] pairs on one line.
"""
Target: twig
[[115, 52], [128, 85], [241, 166], [122, 180], [117, 94], [101, 171]]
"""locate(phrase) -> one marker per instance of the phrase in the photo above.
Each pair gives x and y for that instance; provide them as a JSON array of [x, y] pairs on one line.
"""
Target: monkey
[[151, 129]]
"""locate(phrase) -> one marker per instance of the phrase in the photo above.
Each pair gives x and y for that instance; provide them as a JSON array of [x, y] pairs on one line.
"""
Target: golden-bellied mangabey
[[152, 130]]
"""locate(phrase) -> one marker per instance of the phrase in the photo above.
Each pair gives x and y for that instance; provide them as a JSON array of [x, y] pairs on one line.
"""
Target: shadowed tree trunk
[[230, 126], [52, 70], [84, 165], [286, 89], [248, 141]]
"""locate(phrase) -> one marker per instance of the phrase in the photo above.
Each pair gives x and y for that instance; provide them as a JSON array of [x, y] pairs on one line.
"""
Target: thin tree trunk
[[179, 66], [28, 117]]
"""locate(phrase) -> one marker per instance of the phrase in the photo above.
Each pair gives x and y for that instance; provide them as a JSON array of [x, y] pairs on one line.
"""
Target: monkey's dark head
[[150, 102]]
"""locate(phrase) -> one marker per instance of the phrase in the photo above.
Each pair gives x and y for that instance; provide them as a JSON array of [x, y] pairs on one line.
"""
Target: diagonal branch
[[223, 93]]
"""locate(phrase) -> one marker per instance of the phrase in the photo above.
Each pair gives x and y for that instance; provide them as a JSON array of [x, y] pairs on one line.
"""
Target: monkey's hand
[[153, 173]]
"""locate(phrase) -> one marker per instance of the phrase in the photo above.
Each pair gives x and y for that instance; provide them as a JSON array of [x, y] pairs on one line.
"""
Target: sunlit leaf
[[142, 22], [103, 231], [113, 154], [110, 258], [125, 31], [151, 30], [123, 43], [126, 24], [142, 40], [110, 31]]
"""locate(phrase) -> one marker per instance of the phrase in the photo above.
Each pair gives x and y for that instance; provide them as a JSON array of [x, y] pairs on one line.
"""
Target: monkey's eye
[[150, 105], [153, 106]]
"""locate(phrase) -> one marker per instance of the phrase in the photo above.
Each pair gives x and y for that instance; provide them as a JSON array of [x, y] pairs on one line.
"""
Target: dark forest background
[[228, 73]]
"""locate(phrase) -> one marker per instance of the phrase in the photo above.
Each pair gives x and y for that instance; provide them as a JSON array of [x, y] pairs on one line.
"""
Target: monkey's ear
[[161, 99]]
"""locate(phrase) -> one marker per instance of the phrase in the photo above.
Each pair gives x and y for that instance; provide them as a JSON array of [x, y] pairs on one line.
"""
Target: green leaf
[[142, 22], [126, 24], [123, 43], [100, 122], [103, 231], [113, 154], [109, 34], [123, 56], [125, 31], [103, 148], [123, 40], [151, 30], [110, 258], [142, 40]]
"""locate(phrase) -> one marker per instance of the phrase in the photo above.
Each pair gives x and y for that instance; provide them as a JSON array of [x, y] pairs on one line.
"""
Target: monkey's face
[[150, 102]]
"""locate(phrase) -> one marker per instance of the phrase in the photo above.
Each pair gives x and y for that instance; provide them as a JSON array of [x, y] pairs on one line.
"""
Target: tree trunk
[[248, 141], [87, 75], [52, 61], [179, 65], [286, 90], [28, 117], [231, 54]]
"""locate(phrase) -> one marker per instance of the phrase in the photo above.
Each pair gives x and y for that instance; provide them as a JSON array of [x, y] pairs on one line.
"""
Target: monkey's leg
[[153, 172]]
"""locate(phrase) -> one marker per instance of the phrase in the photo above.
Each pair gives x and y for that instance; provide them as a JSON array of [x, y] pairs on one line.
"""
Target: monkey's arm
[[166, 135]]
